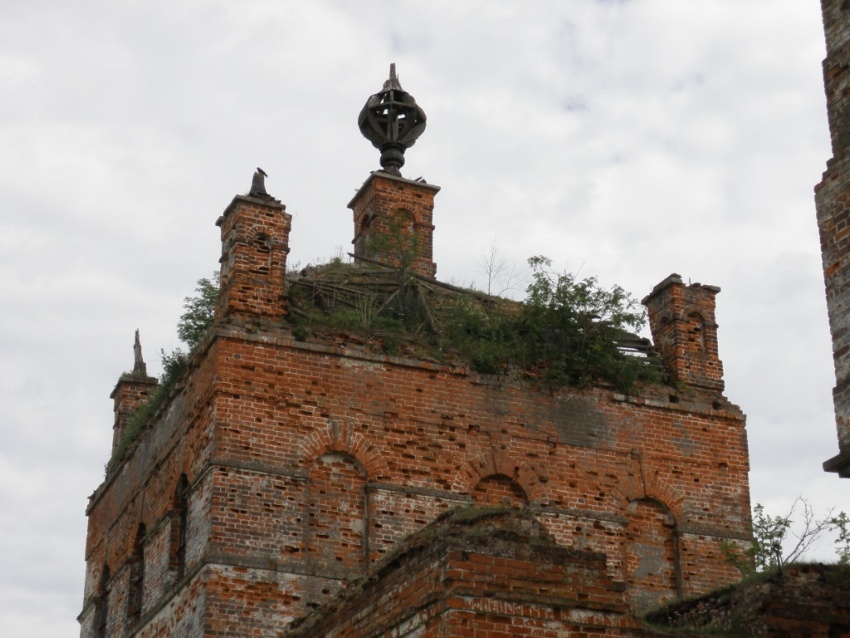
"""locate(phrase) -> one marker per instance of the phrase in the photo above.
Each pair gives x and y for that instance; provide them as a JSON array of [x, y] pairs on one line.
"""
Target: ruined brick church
[[294, 484]]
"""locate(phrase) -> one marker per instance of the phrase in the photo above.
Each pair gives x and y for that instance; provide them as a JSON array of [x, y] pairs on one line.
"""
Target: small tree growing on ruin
[[777, 541], [198, 311]]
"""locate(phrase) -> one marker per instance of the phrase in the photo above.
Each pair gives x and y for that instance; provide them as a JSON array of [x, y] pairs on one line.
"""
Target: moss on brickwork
[[479, 527], [507, 531], [175, 366], [554, 336], [801, 599]]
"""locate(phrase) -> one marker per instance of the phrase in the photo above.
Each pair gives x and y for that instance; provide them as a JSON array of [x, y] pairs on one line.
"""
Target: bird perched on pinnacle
[[258, 184]]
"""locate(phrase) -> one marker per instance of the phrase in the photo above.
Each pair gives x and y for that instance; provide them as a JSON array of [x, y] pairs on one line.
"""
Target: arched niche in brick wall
[[393, 239], [136, 593], [696, 331], [262, 254], [651, 554], [179, 528], [478, 469], [342, 437], [403, 219], [101, 605], [499, 490], [335, 539]]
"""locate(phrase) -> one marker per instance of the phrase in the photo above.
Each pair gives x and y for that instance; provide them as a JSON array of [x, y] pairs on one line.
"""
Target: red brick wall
[[143, 490], [684, 331], [836, 79], [131, 391], [335, 534], [800, 600], [472, 586], [651, 554], [499, 489], [393, 222], [832, 198], [270, 430], [255, 243], [307, 462], [373, 443]]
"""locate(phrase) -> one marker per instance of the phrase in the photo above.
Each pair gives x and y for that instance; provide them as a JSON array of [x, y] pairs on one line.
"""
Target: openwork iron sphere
[[392, 121]]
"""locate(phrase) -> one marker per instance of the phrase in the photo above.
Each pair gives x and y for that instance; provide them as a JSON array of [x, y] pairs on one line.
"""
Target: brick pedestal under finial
[[393, 222]]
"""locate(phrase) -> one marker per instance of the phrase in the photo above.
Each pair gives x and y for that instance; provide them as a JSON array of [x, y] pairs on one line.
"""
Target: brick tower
[[280, 467], [832, 199], [132, 391], [685, 332], [393, 222]]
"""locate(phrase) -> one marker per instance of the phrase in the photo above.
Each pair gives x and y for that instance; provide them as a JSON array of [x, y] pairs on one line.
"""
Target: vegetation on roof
[[194, 323], [740, 610], [174, 366], [568, 331]]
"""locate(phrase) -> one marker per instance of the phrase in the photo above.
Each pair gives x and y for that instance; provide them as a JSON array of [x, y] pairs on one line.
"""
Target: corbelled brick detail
[[393, 222], [254, 246], [684, 331], [832, 199]]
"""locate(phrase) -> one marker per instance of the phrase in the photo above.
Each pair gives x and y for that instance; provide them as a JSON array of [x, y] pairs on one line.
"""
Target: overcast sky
[[623, 139]]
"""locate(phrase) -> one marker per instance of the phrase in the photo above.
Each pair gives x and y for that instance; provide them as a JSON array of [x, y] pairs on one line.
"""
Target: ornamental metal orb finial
[[392, 121]]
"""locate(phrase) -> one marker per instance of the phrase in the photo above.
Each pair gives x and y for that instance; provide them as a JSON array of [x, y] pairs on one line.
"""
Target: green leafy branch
[[778, 540], [196, 320], [569, 330]]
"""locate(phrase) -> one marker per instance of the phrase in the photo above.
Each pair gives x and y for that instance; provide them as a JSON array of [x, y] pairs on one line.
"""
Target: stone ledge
[[840, 464]]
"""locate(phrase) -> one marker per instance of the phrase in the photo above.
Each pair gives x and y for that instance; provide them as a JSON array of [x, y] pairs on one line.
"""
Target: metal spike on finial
[[139, 365], [392, 121], [393, 81]]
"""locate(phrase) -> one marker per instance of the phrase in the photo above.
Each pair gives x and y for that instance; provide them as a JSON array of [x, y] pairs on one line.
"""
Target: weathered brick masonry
[[802, 600], [281, 469], [393, 222], [485, 574], [799, 600], [832, 198]]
